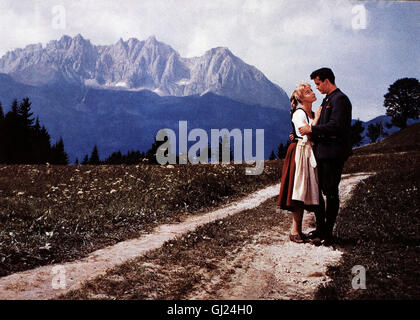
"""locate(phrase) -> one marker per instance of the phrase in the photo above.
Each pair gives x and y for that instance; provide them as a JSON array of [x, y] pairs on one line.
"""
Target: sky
[[368, 44]]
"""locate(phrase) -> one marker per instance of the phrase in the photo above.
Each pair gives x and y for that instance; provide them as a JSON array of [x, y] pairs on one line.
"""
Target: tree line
[[118, 158], [149, 157], [24, 141]]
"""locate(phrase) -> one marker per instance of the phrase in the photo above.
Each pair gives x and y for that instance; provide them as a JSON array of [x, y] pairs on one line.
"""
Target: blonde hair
[[297, 95]]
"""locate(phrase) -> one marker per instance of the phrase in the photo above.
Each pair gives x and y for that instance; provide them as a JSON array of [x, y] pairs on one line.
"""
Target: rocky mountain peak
[[78, 37], [151, 40], [138, 65], [220, 51]]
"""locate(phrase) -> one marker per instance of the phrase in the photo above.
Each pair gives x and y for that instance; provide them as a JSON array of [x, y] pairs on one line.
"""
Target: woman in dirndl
[[299, 181]]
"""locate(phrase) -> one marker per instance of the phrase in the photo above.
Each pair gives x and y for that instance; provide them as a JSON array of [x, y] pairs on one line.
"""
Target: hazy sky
[[286, 39]]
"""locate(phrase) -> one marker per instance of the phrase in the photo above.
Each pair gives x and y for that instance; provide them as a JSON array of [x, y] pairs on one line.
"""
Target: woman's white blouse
[[299, 120]]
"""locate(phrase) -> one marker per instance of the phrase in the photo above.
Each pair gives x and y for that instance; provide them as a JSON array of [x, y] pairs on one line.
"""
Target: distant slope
[[407, 139], [129, 120], [384, 120]]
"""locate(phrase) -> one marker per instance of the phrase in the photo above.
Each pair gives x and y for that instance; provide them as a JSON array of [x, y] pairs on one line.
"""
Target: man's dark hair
[[324, 73]]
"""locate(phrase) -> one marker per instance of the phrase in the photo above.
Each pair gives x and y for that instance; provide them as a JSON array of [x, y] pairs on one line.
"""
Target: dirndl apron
[[305, 187]]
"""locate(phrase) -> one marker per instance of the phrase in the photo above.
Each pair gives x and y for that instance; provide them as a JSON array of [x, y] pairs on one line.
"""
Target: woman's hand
[[305, 130], [317, 116], [291, 136]]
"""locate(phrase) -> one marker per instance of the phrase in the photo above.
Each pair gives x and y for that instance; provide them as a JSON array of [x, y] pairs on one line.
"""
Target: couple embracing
[[315, 159]]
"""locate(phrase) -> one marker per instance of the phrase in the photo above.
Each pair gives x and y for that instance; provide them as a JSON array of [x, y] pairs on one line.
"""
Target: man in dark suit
[[332, 148]]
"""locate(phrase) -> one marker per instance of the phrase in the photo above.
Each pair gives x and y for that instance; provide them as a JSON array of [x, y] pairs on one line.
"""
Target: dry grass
[[380, 162], [404, 140], [51, 214], [383, 219]]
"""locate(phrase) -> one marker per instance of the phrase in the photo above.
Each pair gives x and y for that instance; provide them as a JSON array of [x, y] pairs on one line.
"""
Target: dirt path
[[272, 267], [265, 262]]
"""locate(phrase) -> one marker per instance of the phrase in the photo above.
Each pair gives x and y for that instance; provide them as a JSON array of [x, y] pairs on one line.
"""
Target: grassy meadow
[[51, 214]]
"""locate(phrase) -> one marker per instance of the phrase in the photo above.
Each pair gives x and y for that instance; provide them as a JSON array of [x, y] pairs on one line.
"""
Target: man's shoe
[[328, 240], [315, 241], [303, 236], [315, 234]]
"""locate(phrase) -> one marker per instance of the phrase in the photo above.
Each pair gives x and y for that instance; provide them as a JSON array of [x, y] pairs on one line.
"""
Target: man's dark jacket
[[332, 134]]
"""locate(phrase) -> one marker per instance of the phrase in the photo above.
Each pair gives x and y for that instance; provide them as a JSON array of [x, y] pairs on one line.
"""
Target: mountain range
[[118, 96], [141, 65]]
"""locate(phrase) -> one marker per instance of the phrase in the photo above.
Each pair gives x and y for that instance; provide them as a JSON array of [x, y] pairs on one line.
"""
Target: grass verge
[[383, 218]]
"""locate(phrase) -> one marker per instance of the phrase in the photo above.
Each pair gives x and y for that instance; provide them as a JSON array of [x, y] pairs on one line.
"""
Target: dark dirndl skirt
[[285, 201]]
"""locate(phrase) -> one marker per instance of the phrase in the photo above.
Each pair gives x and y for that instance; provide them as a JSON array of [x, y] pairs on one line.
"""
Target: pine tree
[[38, 151], [26, 131], [356, 133], [15, 107], [22, 141], [58, 155], [20, 137], [133, 157], [36, 143], [272, 156], [151, 153], [25, 114], [374, 131], [114, 158], [37, 126], [41, 150], [85, 160], [282, 150], [94, 157], [12, 139], [44, 145]]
